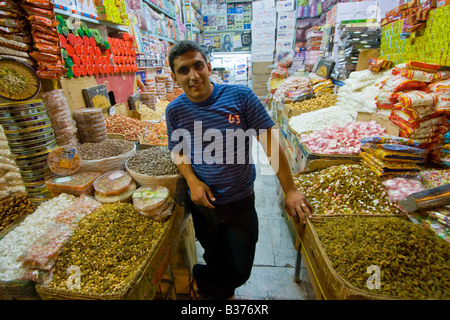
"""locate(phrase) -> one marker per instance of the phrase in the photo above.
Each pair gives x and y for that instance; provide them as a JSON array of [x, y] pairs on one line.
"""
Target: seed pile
[[11, 208], [105, 149], [108, 246], [154, 161], [346, 189], [413, 262]]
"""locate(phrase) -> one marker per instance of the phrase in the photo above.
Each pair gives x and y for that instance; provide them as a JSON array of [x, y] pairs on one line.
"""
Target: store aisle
[[272, 276]]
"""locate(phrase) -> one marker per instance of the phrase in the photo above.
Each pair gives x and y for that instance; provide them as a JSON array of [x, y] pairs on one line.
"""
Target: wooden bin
[[143, 284], [326, 282]]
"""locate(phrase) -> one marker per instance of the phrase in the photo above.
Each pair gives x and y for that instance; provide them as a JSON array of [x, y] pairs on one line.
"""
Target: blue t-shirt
[[217, 134]]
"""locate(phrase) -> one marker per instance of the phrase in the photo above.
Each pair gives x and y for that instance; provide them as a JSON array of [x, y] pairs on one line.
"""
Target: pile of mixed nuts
[[108, 246], [346, 189]]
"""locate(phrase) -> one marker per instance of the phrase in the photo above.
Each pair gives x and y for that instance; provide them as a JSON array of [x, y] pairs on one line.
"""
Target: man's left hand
[[297, 206]]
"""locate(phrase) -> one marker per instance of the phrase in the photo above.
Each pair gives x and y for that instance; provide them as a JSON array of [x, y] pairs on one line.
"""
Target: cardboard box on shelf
[[262, 67], [391, 129]]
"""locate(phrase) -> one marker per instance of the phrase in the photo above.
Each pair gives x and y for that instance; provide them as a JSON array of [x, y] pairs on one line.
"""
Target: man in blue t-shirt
[[210, 129]]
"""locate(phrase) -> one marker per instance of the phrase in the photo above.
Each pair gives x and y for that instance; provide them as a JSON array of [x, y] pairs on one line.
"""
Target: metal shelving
[[87, 19]]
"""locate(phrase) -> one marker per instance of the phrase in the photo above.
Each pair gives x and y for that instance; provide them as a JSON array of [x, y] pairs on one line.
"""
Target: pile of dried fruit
[[11, 208], [130, 127], [108, 246], [346, 189], [413, 262], [156, 134]]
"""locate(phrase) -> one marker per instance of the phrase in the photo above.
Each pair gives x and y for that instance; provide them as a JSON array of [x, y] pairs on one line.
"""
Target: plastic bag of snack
[[429, 67], [416, 98], [417, 75], [44, 4], [51, 23], [53, 49], [46, 30], [399, 83], [30, 10]]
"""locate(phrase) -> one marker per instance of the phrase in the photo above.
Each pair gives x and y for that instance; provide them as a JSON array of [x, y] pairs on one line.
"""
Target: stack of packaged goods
[[114, 186], [408, 97], [313, 44], [77, 184], [390, 156], [11, 180], [153, 202], [123, 54], [112, 11], [15, 38], [321, 86], [149, 97], [161, 87], [45, 39], [169, 84], [416, 31], [355, 40], [30, 138], [91, 124], [58, 111]]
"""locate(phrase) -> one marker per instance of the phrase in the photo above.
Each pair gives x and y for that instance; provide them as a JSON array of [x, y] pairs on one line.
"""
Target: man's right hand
[[201, 194]]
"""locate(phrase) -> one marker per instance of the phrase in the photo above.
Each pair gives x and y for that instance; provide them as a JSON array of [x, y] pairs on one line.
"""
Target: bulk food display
[[88, 185]]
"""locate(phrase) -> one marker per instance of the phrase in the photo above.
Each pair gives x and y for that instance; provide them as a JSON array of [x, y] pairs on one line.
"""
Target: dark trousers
[[228, 234]]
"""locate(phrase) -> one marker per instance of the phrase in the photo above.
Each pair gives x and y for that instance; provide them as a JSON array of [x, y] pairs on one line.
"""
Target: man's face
[[192, 73]]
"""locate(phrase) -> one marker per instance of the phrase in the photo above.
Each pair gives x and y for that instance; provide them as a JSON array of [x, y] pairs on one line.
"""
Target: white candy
[[31, 228]]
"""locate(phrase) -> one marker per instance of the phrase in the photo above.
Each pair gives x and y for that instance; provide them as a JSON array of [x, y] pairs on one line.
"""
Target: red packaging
[[44, 4], [45, 36], [70, 50], [79, 41], [90, 70], [72, 39], [95, 68], [85, 50], [86, 41], [76, 70], [83, 70], [92, 42], [76, 60], [51, 23], [62, 41], [78, 50]]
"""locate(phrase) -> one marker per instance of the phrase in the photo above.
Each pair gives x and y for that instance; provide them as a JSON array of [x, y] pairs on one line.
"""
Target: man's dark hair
[[181, 48]]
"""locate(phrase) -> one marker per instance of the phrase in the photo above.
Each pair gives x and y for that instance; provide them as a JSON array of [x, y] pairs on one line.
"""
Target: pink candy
[[400, 188], [341, 140]]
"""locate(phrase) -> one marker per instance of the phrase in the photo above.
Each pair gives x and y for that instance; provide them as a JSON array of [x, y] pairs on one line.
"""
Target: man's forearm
[[277, 159], [185, 168]]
